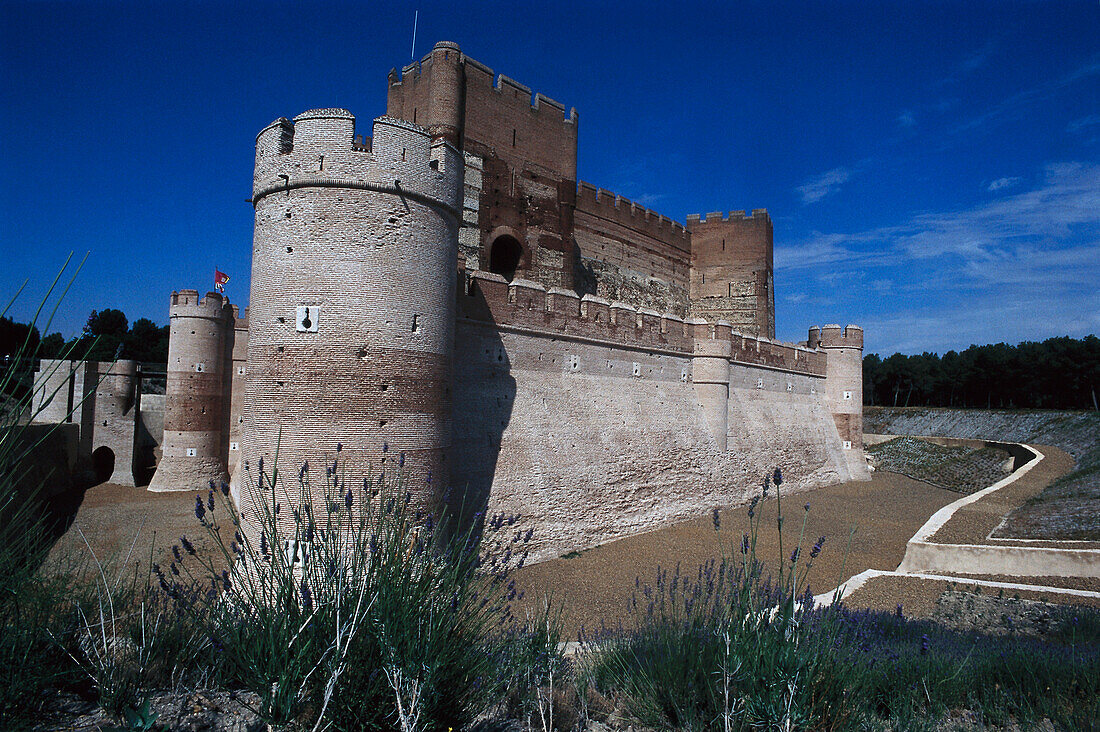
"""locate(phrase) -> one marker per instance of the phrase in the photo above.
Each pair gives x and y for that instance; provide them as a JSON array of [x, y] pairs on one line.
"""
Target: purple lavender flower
[[174, 568], [225, 489], [210, 500], [385, 447], [745, 544], [897, 611], [278, 507], [176, 553], [225, 580], [924, 645], [348, 500], [200, 510], [716, 519], [794, 554], [260, 464], [401, 460], [307, 597], [187, 546], [777, 478], [263, 543], [807, 506], [339, 446], [817, 547]]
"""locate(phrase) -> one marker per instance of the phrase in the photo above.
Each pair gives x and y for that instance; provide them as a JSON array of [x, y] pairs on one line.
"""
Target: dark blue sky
[[932, 169]]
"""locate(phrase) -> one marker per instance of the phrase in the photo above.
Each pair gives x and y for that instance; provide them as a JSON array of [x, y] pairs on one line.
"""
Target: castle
[[446, 291]]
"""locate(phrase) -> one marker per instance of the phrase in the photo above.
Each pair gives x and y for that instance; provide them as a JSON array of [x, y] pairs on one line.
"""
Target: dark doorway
[[103, 463], [504, 256]]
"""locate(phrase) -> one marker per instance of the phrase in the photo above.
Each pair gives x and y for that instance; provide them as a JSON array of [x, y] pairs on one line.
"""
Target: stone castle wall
[[592, 429]]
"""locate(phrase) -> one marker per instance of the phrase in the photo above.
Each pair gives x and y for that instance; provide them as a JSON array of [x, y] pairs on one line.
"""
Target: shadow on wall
[[484, 393]]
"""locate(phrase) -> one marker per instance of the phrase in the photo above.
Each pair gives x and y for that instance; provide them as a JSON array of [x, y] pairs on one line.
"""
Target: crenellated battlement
[[320, 149], [611, 206], [833, 336], [482, 76], [717, 217], [188, 304], [556, 312]]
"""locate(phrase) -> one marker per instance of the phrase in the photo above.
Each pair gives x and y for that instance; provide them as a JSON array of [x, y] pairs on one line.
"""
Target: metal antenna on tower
[[412, 53]]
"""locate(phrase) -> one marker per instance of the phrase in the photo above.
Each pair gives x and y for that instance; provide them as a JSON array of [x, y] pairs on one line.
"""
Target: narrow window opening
[[414, 114], [433, 164], [723, 245], [513, 138], [416, 324], [402, 154]]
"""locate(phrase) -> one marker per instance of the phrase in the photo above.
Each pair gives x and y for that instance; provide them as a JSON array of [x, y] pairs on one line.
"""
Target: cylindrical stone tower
[[445, 104], [237, 358], [710, 369], [117, 400], [193, 452], [844, 382], [351, 314]]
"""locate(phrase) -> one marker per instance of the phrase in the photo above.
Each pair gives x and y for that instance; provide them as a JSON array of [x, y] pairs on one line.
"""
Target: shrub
[[347, 604]]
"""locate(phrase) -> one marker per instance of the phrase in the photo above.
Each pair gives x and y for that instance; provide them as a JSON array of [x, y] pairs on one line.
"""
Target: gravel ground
[[1090, 584], [595, 586], [973, 523], [918, 597]]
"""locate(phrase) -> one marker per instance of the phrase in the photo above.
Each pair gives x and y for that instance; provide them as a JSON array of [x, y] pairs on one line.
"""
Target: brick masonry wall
[[626, 252], [731, 274], [590, 442]]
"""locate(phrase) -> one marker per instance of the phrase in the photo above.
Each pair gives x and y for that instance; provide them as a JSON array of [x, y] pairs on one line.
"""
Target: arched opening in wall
[[103, 463], [504, 256]]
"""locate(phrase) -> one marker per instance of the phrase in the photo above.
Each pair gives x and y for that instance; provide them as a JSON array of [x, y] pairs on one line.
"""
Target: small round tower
[[843, 379], [237, 358], [710, 369], [351, 313], [113, 416], [193, 452], [445, 104]]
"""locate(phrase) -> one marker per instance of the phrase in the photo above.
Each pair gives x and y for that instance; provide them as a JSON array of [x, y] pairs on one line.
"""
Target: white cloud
[[1022, 267], [1002, 183], [817, 188], [907, 119]]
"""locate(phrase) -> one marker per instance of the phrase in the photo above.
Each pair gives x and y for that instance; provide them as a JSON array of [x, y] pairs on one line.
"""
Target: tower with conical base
[[351, 312], [844, 386], [194, 449]]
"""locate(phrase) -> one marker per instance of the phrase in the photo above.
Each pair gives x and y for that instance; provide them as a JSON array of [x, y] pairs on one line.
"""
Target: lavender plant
[[342, 602]]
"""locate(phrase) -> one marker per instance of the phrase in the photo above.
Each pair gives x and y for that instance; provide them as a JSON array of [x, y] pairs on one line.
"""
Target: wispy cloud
[[1083, 123], [1015, 104], [907, 118], [1002, 183], [817, 188], [1024, 266]]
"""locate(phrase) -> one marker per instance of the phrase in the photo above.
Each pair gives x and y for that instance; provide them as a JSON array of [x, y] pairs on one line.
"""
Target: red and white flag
[[220, 278]]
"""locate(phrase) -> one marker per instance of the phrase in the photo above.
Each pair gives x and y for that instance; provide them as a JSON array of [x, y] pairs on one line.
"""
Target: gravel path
[[973, 523]]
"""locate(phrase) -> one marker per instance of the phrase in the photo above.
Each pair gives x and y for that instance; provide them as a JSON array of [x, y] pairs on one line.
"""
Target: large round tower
[[351, 313], [193, 452]]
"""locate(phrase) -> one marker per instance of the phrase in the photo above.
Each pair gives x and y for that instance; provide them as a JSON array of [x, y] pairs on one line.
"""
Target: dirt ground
[[884, 513], [866, 526]]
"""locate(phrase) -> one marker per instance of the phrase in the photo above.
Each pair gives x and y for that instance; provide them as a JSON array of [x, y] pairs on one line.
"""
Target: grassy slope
[[1067, 508]]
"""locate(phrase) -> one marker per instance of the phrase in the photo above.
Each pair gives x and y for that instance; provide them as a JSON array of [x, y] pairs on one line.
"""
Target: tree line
[[107, 335], [1059, 373]]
